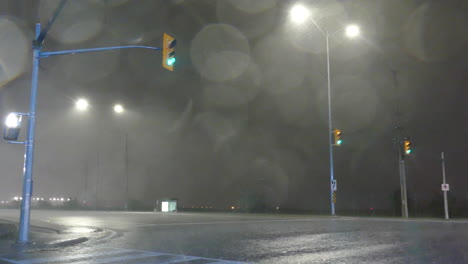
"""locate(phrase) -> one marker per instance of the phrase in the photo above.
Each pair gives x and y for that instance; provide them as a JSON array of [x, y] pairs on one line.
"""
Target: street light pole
[[404, 197], [299, 14], [444, 182], [23, 236], [126, 173], [330, 134]]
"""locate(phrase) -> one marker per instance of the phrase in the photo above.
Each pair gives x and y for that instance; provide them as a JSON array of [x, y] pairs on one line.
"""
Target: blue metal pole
[[332, 177], [46, 54], [29, 149]]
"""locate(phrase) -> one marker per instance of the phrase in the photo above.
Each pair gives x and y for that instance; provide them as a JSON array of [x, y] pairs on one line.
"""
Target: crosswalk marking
[[114, 255], [176, 260], [121, 258], [68, 258]]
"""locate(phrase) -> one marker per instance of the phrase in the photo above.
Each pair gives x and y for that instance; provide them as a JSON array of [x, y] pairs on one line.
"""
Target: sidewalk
[[43, 235]]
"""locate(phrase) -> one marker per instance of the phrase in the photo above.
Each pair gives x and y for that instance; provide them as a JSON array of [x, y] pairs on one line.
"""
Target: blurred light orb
[[355, 102], [119, 109], [79, 21], [13, 120], [14, 50], [254, 20], [435, 31], [281, 71], [253, 7], [82, 104], [299, 14], [352, 31], [220, 52], [236, 92]]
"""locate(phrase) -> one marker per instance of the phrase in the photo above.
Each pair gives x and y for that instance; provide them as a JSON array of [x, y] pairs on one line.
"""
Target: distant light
[[233, 207], [68, 199], [13, 120], [118, 108], [352, 31], [42, 199], [165, 207], [299, 14], [62, 199], [82, 104], [16, 198], [171, 61], [54, 199]]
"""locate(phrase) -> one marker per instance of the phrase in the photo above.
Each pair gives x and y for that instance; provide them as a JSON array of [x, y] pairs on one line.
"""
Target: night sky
[[245, 111]]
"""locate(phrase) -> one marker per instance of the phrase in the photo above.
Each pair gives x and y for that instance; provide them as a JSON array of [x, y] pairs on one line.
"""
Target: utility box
[[168, 205]]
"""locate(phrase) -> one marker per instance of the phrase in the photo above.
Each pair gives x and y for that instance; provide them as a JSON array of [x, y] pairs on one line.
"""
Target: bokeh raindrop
[[14, 50], [79, 21], [220, 52]]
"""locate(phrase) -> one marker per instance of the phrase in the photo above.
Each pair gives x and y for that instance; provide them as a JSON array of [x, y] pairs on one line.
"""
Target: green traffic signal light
[[408, 151], [171, 61], [339, 142]]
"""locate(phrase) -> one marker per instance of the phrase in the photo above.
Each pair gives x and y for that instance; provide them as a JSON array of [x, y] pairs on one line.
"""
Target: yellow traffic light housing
[[337, 135], [407, 147], [168, 57]]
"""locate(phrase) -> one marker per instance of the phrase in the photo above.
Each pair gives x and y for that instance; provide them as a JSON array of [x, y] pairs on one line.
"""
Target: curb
[[67, 243], [45, 246], [9, 230]]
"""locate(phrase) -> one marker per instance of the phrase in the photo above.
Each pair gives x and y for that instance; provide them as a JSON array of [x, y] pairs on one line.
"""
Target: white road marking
[[177, 260], [68, 258], [119, 259], [112, 255], [187, 258]]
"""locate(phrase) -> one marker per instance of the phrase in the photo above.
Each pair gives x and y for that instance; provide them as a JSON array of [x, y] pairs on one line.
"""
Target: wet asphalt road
[[252, 238]]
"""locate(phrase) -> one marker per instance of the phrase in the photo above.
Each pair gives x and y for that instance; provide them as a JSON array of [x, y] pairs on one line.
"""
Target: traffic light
[[168, 57], [407, 147], [337, 133]]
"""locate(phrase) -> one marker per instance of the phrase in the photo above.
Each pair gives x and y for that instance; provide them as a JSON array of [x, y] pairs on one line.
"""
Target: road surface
[[147, 237]]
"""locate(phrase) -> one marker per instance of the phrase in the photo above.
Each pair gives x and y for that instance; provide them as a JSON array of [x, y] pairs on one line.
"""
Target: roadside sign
[[445, 187], [334, 187]]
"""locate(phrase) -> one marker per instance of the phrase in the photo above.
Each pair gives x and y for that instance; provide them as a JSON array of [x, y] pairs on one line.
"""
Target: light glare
[[171, 61], [13, 120], [118, 108], [82, 104], [352, 31], [299, 14]]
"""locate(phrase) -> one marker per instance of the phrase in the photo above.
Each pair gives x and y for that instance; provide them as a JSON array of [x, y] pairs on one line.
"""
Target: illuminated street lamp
[[352, 31], [119, 109], [13, 120], [299, 14], [81, 104]]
